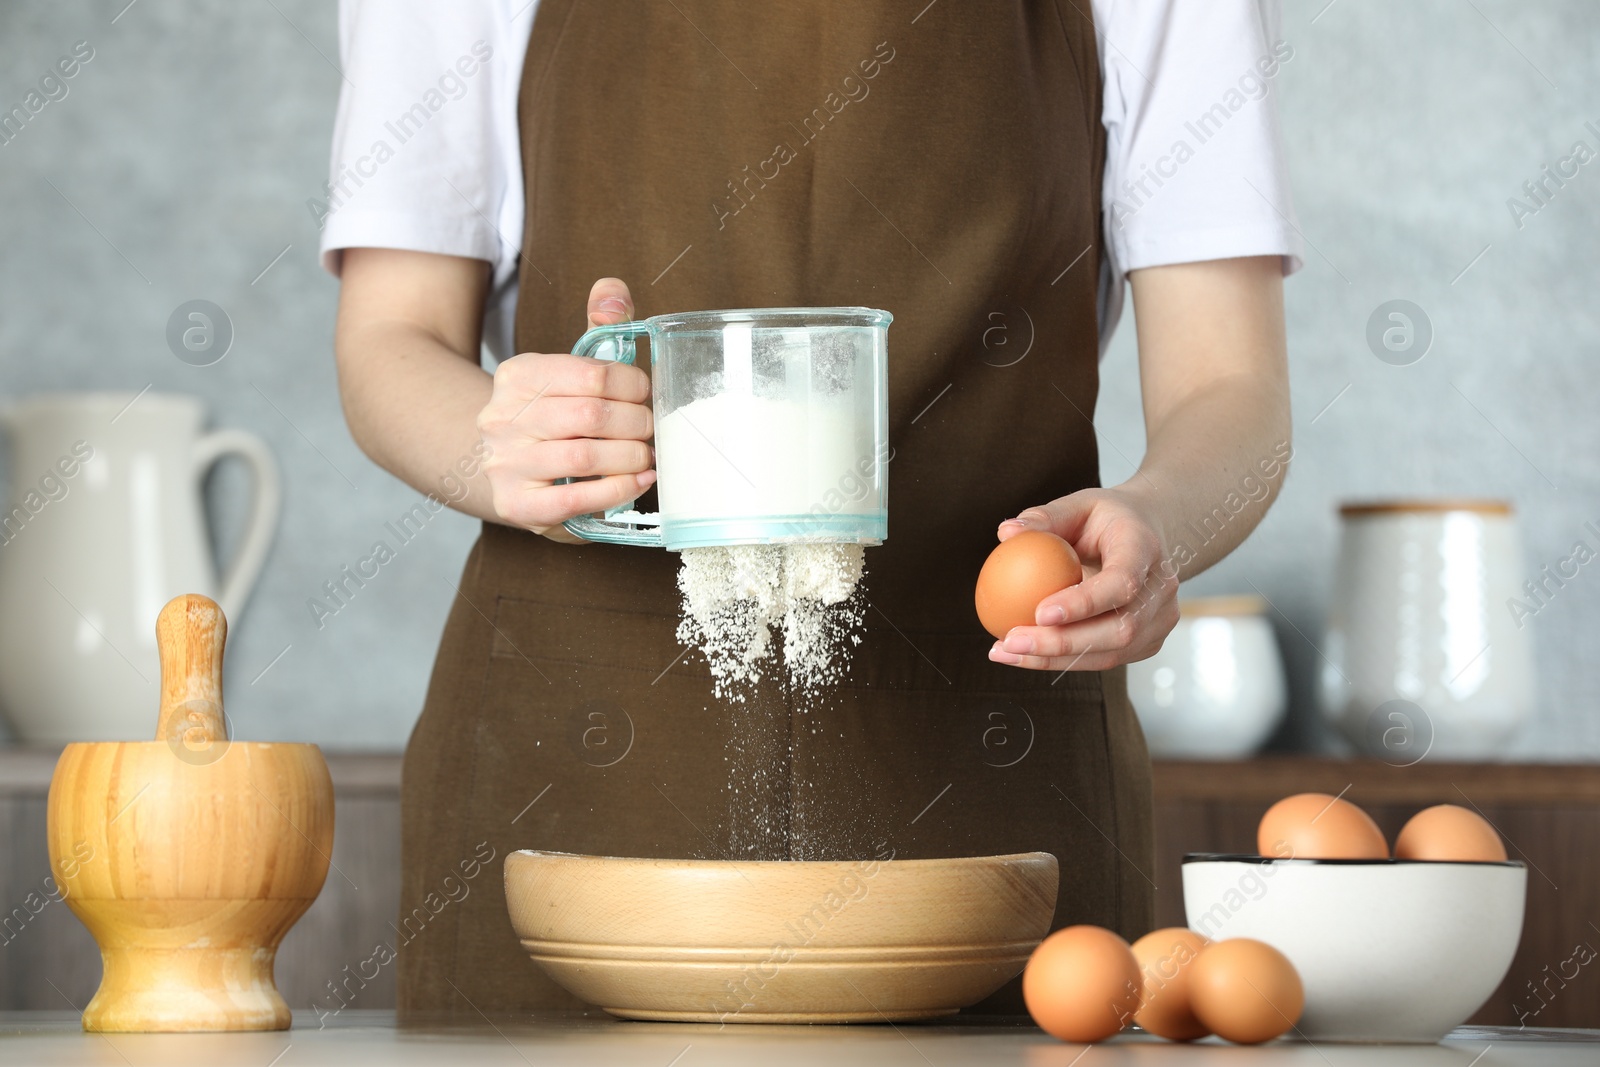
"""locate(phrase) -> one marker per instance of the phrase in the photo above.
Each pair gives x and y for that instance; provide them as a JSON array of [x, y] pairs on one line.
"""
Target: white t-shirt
[[427, 156]]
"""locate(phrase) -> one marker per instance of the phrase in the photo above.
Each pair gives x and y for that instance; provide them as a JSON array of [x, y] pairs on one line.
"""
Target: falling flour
[[739, 601], [756, 451]]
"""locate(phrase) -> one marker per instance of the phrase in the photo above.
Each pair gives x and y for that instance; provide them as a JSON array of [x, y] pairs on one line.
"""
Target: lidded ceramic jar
[[1424, 653]]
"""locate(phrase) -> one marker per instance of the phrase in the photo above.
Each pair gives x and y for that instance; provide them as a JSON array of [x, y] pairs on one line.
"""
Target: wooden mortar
[[190, 856]]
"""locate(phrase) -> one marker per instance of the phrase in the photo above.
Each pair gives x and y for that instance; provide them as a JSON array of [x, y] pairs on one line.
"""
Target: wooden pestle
[[190, 636]]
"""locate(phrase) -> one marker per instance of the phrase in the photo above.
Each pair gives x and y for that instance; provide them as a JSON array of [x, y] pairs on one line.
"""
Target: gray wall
[[196, 134], [192, 141]]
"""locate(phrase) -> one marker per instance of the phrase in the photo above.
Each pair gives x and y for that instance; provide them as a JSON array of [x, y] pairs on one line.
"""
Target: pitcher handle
[[614, 343], [266, 501]]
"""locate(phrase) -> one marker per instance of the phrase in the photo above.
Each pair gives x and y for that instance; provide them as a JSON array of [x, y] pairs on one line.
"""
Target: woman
[[971, 172]]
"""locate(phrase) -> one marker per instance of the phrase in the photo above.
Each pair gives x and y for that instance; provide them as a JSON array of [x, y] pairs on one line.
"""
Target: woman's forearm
[[547, 437], [1216, 395], [412, 405], [1213, 468], [409, 378]]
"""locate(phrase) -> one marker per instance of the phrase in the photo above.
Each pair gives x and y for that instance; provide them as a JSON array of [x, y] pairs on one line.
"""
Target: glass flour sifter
[[771, 427]]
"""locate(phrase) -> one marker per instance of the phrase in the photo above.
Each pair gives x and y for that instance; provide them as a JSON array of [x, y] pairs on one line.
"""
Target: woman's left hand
[[1126, 604]]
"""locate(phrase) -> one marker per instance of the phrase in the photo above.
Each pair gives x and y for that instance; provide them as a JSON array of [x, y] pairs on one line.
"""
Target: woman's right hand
[[556, 415]]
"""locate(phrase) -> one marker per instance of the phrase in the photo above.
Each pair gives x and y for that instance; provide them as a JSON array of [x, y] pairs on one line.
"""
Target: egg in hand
[[1021, 571]]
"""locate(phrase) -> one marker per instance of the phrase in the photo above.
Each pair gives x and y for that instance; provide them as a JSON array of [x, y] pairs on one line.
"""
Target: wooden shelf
[[1269, 778]]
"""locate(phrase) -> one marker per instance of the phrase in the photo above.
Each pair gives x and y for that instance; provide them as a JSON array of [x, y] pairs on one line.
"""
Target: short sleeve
[[1194, 160], [425, 146]]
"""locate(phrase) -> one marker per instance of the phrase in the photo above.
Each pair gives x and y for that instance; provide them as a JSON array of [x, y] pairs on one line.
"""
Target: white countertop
[[355, 1039]]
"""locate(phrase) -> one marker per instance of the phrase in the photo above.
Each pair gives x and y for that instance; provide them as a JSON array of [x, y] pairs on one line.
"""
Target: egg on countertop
[[1020, 572], [1081, 984], [1245, 991], [1164, 1006], [1319, 826], [1447, 832]]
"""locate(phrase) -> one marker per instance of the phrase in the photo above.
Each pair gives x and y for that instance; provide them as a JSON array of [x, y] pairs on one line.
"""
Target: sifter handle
[[613, 343]]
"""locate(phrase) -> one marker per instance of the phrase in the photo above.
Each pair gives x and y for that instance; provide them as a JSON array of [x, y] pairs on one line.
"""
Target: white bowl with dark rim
[[1388, 950]]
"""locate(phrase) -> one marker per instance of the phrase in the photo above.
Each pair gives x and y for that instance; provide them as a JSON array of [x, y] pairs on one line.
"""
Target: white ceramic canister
[[1423, 655], [1216, 689]]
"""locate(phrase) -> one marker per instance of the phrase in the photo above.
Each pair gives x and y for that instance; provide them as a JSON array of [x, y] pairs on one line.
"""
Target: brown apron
[[944, 166]]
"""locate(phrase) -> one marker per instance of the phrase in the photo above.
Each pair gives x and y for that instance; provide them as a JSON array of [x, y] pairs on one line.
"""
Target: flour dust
[[748, 607], [787, 614]]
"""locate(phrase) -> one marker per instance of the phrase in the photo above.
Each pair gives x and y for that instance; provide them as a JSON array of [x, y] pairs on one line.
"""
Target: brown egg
[[1316, 826], [1447, 832], [1081, 984], [1021, 571], [1245, 991], [1164, 957]]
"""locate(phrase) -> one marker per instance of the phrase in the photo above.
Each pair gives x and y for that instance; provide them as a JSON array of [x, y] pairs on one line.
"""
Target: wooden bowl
[[780, 942]]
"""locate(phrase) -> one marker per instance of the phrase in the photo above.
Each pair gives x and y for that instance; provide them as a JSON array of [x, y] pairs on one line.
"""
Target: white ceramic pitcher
[[104, 524]]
